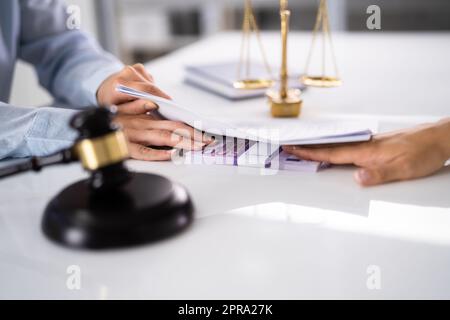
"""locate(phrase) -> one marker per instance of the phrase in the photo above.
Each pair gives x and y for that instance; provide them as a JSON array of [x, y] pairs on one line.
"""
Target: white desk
[[277, 236]]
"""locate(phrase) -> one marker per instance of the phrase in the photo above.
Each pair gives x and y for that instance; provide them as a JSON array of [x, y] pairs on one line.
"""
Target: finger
[[187, 143], [155, 115], [336, 155], [129, 73], [130, 77], [117, 97], [163, 138], [121, 98], [375, 176], [140, 152], [136, 107], [148, 122], [142, 73], [181, 129], [147, 87]]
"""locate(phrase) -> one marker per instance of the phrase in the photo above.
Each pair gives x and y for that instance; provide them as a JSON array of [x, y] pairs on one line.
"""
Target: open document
[[279, 132]]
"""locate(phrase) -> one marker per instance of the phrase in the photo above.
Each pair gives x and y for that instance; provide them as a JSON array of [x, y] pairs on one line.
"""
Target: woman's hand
[[145, 130], [403, 155], [135, 77], [142, 127]]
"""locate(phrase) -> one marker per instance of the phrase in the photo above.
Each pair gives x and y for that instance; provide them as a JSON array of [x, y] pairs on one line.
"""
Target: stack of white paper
[[302, 132]]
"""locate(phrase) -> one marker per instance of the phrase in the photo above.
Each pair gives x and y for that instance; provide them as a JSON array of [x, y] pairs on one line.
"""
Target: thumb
[[136, 107], [376, 176]]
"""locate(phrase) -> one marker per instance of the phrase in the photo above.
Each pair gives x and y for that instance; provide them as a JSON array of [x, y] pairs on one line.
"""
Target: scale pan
[[321, 82], [253, 84]]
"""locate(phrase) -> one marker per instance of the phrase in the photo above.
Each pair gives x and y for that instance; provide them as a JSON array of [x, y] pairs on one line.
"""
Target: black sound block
[[145, 209]]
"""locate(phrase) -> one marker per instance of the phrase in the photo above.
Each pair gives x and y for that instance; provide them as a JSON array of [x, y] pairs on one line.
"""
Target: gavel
[[114, 207]]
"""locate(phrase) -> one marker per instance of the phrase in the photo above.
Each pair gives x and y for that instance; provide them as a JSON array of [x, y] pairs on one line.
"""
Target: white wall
[[26, 90]]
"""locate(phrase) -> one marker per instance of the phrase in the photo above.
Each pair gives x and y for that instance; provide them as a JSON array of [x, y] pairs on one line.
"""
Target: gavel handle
[[37, 163]]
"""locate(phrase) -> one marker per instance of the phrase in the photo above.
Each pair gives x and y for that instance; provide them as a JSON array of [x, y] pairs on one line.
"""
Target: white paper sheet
[[281, 132]]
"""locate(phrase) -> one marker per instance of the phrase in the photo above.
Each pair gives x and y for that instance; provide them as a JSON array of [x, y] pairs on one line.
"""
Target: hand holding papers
[[280, 132], [257, 143]]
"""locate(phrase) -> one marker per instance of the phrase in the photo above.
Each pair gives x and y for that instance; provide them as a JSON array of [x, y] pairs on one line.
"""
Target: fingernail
[[207, 139], [363, 176], [150, 107], [174, 152]]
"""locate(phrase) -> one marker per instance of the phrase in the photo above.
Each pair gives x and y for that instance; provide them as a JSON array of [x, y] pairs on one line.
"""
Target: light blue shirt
[[69, 64]]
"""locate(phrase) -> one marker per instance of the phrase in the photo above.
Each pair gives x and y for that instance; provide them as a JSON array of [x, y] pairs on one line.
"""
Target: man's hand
[[141, 127], [389, 157]]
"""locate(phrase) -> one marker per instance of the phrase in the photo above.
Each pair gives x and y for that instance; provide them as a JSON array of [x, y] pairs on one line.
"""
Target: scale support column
[[284, 102]]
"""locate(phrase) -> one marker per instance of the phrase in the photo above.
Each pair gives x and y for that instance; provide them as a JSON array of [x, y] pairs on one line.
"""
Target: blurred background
[[142, 30]]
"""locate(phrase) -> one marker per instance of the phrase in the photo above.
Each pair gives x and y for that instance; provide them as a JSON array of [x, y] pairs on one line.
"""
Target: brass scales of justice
[[285, 101]]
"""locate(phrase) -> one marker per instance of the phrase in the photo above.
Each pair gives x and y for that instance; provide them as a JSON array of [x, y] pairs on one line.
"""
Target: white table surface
[[283, 236]]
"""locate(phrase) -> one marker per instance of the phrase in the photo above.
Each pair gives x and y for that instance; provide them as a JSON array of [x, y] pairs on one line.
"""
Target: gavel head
[[101, 147]]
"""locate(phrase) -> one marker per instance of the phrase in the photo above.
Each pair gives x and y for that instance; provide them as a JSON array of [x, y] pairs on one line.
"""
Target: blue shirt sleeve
[[34, 131], [69, 64]]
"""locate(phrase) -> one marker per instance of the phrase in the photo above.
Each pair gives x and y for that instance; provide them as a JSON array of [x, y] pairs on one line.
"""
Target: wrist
[[101, 94], [443, 139]]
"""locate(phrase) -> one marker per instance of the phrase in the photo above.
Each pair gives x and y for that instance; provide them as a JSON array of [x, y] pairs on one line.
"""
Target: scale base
[[145, 209], [288, 107]]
